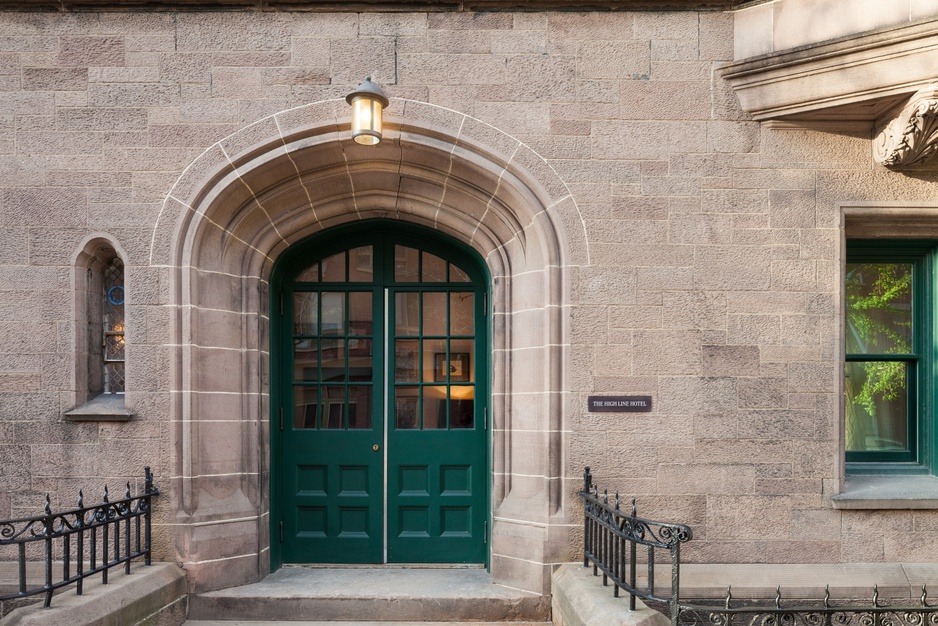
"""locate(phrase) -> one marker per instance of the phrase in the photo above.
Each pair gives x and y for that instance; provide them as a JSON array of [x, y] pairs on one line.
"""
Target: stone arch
[[248, 198]]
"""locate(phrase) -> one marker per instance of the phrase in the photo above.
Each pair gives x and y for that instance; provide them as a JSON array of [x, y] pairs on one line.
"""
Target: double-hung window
[[888, 337]]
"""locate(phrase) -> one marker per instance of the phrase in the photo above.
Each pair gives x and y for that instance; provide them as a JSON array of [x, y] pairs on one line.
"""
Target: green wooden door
[[384, 366]]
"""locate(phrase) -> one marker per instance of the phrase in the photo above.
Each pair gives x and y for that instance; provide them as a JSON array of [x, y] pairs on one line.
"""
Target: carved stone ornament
[[912, 136]]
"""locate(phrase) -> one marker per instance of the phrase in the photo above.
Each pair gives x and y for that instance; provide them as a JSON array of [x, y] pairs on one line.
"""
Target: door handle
[[375, 447]]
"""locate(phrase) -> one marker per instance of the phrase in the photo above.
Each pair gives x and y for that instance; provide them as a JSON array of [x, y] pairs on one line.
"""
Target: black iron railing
[[614, 539], [94, 538]]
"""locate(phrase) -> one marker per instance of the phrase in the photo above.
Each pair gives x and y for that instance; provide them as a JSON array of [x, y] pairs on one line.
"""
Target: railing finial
[[48, 506], [634, 509], [778, 596], [924, 596], [729, 596], [105, 495], [875, 596], [827, 596]]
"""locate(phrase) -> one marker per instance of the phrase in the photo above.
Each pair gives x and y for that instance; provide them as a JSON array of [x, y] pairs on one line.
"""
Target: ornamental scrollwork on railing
[[912, 136], [102, 545], [821, 614], [59, 523], [629, 526]]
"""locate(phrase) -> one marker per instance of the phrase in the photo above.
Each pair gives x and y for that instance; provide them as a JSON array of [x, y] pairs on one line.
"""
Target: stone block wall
[[710, 277]]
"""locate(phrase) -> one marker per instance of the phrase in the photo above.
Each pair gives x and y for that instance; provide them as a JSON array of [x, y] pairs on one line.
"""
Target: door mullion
[[387, 377]]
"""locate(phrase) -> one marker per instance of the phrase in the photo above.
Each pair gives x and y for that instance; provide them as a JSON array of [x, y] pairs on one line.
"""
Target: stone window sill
[[888, 492], [103, 408]]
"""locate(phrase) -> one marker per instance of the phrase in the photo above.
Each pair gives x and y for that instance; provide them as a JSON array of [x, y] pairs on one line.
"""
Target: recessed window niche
[[100, 292]]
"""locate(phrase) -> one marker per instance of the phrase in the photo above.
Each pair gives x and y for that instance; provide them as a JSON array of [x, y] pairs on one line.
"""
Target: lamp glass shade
[[366, 120]]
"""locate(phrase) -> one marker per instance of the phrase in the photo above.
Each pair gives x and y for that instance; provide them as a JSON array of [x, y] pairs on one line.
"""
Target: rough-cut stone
[[644, 236]]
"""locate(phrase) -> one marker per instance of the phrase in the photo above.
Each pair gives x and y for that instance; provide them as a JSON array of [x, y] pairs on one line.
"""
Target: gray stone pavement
[[343, 623]]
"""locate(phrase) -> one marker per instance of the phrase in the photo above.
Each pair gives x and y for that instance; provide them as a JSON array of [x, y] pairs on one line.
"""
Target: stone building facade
[[657, 201]]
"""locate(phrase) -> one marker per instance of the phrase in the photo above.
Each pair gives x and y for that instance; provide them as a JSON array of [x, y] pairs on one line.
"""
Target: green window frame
[[889, 356]]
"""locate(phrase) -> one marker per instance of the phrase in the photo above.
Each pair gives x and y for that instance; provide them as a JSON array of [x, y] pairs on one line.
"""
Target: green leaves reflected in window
[[884, 335]]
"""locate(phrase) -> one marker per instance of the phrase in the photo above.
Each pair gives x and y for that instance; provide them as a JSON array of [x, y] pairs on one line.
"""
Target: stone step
[[386, 594]]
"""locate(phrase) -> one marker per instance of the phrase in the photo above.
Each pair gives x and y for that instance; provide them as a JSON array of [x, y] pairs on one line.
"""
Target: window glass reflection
[[360, 265], [434, 313], [333, 313], [434, 269], [333, 269], [461, 313], [333, 360], [305, 313], [406, 264], [456, 275], [406, 407], [407, 313], [876, 406], [305, 406], [360, 313], [306, 360], [405, 360], [879, 308], [333, 407], [359, 407]]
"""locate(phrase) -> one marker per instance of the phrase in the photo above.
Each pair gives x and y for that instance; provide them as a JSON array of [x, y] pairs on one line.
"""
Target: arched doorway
[[254, 198], [380, 390]]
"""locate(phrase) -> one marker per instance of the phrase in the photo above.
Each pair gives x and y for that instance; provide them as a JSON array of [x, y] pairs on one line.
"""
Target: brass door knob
[[375, 447]]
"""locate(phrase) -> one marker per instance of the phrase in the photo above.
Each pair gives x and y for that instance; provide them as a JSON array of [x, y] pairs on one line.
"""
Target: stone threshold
[[384, 594]]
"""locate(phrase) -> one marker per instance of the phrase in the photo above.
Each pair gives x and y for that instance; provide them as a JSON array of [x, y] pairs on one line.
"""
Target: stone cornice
[[912, 135], [861, 76], [367, 5]]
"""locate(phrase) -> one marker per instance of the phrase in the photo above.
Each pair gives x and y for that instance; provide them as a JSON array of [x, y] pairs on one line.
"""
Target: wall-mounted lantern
[[368, 103]]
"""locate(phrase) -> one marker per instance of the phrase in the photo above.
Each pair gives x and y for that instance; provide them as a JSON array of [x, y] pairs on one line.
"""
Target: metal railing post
[[47, 531], [675, 583]]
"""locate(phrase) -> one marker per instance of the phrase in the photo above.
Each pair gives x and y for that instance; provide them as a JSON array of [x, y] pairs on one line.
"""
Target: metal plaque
[[618, 404]]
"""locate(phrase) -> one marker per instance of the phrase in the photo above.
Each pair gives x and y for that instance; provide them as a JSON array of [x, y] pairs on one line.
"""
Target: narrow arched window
[[112, 327], [100, 320]]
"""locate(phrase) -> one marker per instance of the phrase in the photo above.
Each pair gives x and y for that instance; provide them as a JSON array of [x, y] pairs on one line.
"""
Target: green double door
[[384, 366]]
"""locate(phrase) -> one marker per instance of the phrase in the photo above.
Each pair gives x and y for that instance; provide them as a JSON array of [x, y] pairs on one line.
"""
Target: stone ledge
[[853, 581], [103, 408], [580, 599], [888, 492], [154, 594]]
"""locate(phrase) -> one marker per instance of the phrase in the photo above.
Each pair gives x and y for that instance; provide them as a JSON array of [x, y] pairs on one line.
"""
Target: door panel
[[384, 445], [436, 498]]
